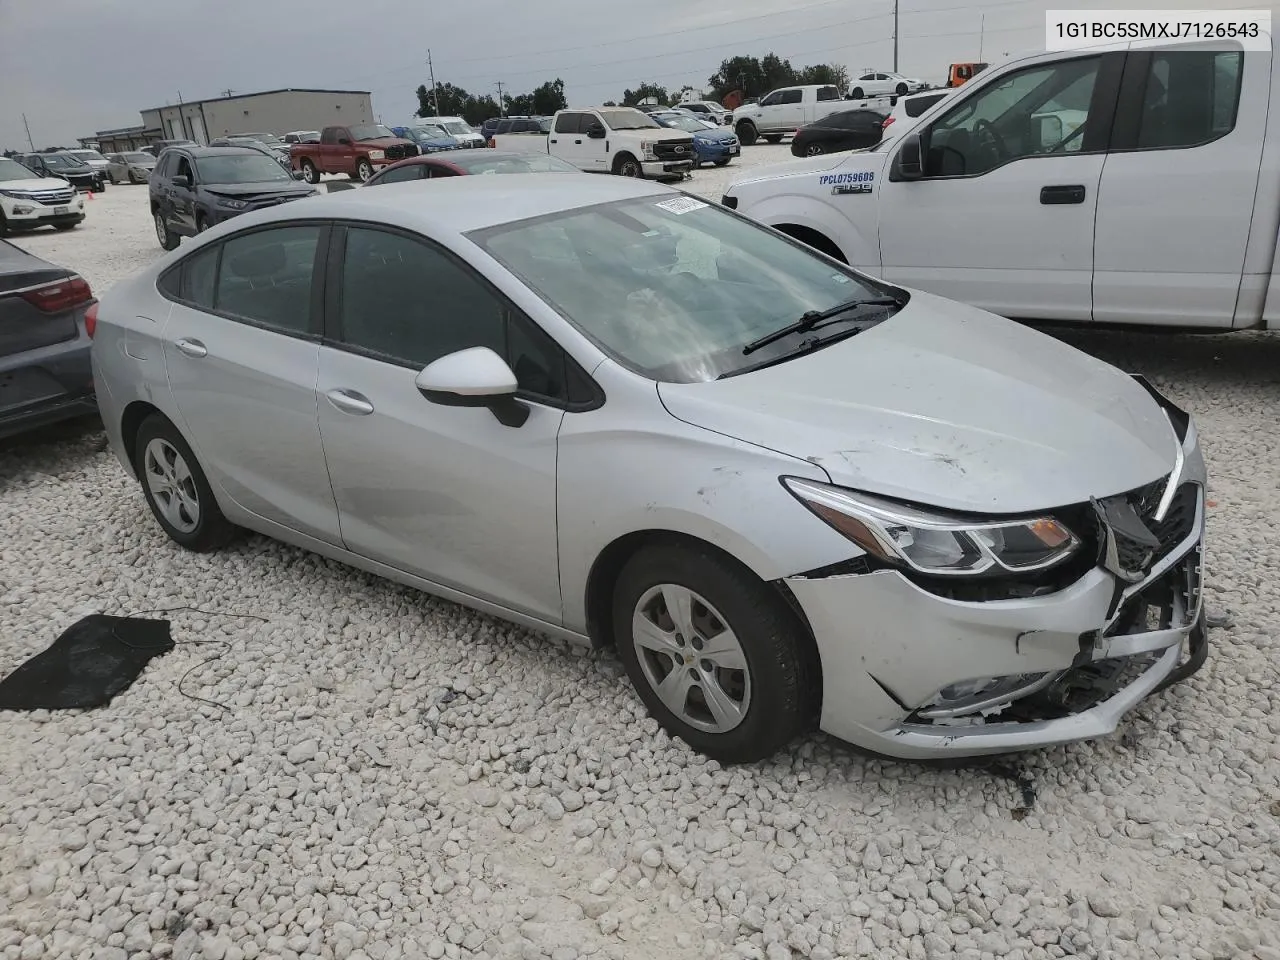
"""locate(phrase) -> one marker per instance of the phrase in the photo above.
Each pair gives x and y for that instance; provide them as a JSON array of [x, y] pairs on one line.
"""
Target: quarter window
[[1040, 110], [199, 272], [410, 302], [1192, 97], [265, 277]]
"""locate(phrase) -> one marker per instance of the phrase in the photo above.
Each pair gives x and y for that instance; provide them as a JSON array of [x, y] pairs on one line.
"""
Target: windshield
[[672, 287], [13, 170], [431, 131], [370, 131], [483, 161], [241, 168], [628, 120], [456, 127], [261, 137], [87, 155], [142, 159], [681, 122], [60, 161]]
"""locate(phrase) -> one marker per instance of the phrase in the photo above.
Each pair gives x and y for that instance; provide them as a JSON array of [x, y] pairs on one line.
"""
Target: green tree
[[452, 100], [754, 77], [519, 106], [826, 73], [479, 109], [548, 98], [632, 97]]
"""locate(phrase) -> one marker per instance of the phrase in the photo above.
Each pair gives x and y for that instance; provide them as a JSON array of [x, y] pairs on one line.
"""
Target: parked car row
[[63, 166]]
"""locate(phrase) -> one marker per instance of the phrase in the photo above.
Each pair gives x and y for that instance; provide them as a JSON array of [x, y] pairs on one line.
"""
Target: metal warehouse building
[[272, 111]]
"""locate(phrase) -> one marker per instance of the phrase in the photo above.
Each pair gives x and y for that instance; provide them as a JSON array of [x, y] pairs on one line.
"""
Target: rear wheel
[[364, 170], [176, 489], [814, 149], [168, 239], [857, 93], [747, 133], [309, 172], [715, 655]]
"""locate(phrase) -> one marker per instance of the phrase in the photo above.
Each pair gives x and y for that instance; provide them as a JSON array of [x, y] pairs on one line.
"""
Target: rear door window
[[1191, 98], [265, 277], [828, 93]]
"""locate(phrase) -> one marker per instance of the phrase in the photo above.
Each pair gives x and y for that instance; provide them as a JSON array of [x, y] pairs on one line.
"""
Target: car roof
[[462, 204], [197, 152]]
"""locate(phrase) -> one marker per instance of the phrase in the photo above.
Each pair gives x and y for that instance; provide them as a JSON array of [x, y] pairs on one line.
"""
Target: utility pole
[[502, 104], [435, 97], [30, 142], [895, 36], [982, 35]]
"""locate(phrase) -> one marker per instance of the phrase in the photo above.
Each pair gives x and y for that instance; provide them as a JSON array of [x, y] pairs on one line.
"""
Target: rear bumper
[[43, 386]]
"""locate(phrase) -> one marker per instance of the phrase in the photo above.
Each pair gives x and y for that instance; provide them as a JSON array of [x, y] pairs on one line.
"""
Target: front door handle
[[1072, 193], [349, 401], [192, 348], [579, 142]]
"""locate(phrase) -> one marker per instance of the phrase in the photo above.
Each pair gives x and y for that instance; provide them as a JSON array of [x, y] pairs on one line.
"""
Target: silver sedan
[[790, 495], [133, 167]]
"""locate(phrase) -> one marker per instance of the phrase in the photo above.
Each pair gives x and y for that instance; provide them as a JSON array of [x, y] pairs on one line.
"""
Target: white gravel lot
[[390, 776]]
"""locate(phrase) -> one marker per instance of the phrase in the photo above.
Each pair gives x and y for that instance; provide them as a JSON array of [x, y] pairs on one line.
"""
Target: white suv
[[28, 201], [883, 84]]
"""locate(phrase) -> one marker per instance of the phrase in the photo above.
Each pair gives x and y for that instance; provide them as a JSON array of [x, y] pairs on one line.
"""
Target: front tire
[[814, 150], [901, 89], [364, 170], [176, 488], [857, 93], [747, 133], [310, 173], [628, 166], [716, 656], [168, 239]]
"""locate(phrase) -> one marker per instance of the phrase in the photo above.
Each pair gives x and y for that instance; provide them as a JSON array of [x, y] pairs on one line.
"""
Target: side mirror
[[909, 161], [1048, 132], [297, 174], [475, 377], [596, 131], [181, 180]]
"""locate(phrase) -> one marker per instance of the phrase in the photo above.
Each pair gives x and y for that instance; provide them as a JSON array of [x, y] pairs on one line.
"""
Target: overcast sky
[[111, 58]]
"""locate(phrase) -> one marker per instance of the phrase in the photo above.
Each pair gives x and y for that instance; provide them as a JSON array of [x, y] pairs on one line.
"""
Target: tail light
[[59, 295], [887, 121], [91, 320], [491, 143]]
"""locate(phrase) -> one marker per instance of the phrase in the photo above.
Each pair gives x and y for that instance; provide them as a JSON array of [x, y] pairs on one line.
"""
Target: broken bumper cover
[[1068, 665]]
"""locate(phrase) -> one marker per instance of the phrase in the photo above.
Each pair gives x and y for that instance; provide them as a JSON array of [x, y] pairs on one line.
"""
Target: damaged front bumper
[[910, 672]]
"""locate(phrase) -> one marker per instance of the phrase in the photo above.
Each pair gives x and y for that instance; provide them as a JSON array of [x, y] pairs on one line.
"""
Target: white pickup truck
[[619, 140], [1131, 184], [784, 111]]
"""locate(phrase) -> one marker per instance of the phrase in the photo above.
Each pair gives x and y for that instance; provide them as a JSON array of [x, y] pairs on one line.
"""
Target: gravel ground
[[370, 773]]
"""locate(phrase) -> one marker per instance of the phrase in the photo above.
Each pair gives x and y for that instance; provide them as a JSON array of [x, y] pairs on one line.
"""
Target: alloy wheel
[[172, 487], [691, 658], [162, 232]]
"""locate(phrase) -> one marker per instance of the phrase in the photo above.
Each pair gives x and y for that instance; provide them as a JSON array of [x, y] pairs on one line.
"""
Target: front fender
[[858, 242]]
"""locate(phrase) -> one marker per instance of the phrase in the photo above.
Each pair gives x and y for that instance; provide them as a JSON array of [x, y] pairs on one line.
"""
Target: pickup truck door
[[335, 156], [1003, 217], [789, 113], [568, 139], [1179, 187]]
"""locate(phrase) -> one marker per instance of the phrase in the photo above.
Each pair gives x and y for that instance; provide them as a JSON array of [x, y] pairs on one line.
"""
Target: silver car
[[788, 494], [134, 167]]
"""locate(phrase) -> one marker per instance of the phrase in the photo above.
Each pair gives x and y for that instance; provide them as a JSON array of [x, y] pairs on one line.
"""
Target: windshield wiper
[[814, 317]]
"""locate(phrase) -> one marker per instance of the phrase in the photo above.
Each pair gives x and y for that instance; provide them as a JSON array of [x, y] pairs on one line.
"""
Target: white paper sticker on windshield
[[680, 205]]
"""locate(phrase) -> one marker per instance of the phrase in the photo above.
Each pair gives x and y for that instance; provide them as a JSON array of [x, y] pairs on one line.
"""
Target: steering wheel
[[986, 129]]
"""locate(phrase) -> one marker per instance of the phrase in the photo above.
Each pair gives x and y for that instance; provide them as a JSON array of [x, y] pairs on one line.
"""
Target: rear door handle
[[192, 348], [1072, 193], [349, 401]]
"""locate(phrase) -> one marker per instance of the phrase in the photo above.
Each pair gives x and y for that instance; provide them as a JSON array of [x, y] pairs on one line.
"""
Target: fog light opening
[[985, 695]]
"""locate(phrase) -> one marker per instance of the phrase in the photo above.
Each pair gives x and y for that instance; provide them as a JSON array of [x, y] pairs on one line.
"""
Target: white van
[[1129, 184]]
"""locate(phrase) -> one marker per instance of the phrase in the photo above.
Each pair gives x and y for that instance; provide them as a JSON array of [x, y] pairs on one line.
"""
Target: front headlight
[[232, 204], [377, 154], [936, 543], [646, 148]]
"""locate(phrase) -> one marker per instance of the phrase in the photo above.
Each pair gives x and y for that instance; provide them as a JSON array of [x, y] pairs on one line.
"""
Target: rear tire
[[176, 488], [310, 173], [746, 680], [814, 150], [747, 133], [857, 93], [168, 239]]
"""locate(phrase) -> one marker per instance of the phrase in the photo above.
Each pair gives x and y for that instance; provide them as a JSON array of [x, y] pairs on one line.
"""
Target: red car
[[463, 163]]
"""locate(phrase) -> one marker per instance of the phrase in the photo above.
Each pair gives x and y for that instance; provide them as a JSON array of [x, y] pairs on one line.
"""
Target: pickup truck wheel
[[901, 89], [628, 166], [857, 93], [364, 170], [773, 138], [747, 133], [309, 172]]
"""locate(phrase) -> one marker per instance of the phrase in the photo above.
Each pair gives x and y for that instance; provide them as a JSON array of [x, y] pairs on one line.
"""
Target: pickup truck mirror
[[181, 180], [596, 131], [1047, 131], [344, 142], [909, 163]]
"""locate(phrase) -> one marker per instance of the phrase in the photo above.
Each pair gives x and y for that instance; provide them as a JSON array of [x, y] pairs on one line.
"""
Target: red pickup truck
[[356, 151]]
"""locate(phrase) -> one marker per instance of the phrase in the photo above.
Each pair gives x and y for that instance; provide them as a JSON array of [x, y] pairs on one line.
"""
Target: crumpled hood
[[947, 405]]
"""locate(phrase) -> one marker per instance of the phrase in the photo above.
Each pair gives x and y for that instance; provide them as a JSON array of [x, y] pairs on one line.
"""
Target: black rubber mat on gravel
[[93, 660]]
